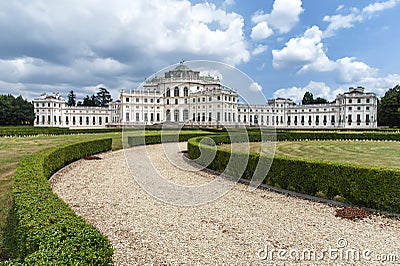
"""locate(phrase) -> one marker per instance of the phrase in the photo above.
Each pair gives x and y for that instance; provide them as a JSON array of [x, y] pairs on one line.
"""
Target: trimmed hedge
[[32, 131], [156, 138], [43, 229], [371, 187]]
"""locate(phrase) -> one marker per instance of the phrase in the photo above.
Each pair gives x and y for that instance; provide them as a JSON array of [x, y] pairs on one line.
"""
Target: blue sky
[[286, 46]]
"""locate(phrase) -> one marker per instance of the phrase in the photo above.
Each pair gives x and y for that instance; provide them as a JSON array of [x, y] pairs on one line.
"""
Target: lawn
[[15, 149], [372, 153]]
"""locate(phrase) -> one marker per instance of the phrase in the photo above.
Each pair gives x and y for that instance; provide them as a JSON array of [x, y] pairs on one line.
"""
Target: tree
[[389, 108], [71, 98], [15, 111], [308, 98], [103, 97], [89, 101]]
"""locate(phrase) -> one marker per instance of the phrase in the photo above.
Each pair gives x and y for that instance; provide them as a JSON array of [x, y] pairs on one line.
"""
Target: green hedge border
[[43, 229], [370, 187]]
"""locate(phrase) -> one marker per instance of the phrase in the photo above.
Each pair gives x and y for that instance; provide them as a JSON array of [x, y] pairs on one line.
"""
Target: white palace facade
[[183, 96]]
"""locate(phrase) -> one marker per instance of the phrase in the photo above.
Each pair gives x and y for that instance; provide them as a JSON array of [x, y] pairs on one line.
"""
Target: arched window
[[185, 115], [186, 92], [168, 115], [168, 93], [176, 115], [176, 92]]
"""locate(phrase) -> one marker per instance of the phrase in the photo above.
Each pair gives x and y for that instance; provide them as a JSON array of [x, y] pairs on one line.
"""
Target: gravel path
[[239, 228]]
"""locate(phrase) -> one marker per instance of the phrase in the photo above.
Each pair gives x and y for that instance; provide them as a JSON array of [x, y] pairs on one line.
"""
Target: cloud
[[261, 31], [283, 17], [255, 87], [318, 89], [307, 53], [380, 6], [337, 22], [349, 70], [80, 43], [299, 51], [259, 49]]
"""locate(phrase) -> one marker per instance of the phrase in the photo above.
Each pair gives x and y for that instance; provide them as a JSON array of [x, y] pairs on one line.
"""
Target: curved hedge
[[156, 138], [371, 187], [43, 229]]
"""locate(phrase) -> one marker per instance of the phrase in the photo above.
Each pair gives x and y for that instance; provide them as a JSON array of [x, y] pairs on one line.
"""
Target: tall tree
[[89, 101], [71, 98], [389, 108], [308, 98], [15, 111], [103, 97]]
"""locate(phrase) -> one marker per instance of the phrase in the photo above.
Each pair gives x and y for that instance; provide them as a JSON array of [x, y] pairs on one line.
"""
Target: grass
[[15, 149], [371, 153]]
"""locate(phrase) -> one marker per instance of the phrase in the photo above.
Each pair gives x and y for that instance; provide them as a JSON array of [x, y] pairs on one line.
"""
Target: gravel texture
[[239, 228]]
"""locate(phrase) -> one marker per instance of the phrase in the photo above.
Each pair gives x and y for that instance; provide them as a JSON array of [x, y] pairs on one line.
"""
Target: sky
[[287, 47]]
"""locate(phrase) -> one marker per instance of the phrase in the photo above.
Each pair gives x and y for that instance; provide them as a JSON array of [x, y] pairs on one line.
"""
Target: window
[[137, 117], [219, 98], [350, 101], [106, 120], [137, 100], [368, 100], [204, 99], [176, 101], [203, 117], [194, 100], [359, 108], [194, 117], [358, 100], [350, 108], [151, 117], [87, 120], [73, 120], [127, 99], [151, 100], [66, 120], [55, 120], [100, 120], [218, 116], [185, 92], [358, 119], [158, 116], [317, 120], [349, 119], [126, 117], [176, 115], [168, 115], [145, 100], [176, 92], [367, 119], [168, 93], [167, 101], [185, 115], [146, 117], [333, 120], [198, 117], [48, 120]]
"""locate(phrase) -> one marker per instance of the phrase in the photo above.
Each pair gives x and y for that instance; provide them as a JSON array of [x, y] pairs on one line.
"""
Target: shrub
[[370, 187], [42, 227]]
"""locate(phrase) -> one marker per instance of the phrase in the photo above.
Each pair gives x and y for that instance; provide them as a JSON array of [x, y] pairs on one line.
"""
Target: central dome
[[182, 67]]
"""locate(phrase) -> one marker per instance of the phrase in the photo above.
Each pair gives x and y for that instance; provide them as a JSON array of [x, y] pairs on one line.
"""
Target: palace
[[183, 96]]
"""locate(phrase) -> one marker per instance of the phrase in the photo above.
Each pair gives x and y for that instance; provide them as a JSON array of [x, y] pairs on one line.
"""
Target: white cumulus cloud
[[261, 31], [259, 49], [255, 87], [284, 16], [318, 89]]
